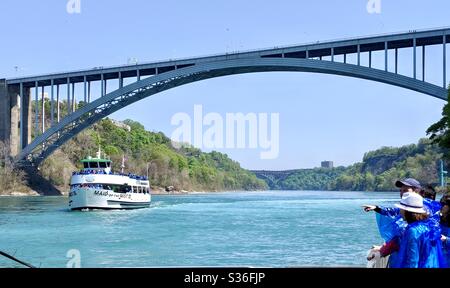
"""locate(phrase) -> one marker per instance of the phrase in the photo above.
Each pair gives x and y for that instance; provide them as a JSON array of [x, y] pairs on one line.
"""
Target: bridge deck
[[310, 50]]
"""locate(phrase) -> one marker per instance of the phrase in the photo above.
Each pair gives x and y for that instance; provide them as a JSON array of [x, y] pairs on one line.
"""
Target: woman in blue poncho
[[390, 223], [420, 244]]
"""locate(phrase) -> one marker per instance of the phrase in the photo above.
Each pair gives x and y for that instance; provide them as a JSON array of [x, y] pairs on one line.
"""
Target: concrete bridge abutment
[[11, 118]]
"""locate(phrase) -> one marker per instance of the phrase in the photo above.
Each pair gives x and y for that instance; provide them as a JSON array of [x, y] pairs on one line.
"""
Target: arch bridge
[[329, 57]]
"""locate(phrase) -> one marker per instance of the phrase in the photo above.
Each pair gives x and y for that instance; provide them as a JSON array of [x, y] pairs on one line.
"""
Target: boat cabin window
[[96, 165], [93, 165], [125, 189]]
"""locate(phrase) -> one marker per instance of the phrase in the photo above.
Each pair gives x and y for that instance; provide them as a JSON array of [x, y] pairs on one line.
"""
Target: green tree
[[440, 131]]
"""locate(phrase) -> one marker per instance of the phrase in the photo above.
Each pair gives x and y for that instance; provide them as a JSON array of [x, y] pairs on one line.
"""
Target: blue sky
[[322, 117]]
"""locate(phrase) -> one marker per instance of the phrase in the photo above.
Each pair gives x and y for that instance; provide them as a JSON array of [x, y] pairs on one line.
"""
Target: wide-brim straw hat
[[412, 202]]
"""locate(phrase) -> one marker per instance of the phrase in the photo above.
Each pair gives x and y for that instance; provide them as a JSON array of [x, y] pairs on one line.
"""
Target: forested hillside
[[186, 168], [378, 170]]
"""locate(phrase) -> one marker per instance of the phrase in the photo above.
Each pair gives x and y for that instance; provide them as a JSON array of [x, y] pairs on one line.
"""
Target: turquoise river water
[[255, 229]]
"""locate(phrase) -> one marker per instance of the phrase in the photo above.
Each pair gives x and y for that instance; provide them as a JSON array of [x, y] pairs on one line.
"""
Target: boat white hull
[[90, 198]]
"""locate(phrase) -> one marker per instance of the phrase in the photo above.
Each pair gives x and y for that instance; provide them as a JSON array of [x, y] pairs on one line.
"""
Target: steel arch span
[[48, 142]]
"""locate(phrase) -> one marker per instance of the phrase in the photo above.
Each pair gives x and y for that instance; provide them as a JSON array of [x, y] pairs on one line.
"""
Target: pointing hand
[[369, 208]]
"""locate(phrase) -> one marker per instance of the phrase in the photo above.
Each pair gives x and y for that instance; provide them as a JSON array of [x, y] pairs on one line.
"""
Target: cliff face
[[383, 159], [378, 164]]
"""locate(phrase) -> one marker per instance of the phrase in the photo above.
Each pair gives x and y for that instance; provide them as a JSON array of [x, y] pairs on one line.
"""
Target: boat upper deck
[[106, 172]]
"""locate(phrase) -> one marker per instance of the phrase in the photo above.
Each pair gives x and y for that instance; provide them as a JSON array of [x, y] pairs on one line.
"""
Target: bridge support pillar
[[5, 121], [25, 118], [14, 140], [10, 117]]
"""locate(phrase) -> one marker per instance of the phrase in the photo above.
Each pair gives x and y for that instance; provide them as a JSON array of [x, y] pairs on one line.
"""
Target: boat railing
[[103, 172], [92, 172], [114, 187]]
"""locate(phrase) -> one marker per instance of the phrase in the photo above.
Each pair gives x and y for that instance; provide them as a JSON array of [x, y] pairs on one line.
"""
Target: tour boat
[[97, 187]]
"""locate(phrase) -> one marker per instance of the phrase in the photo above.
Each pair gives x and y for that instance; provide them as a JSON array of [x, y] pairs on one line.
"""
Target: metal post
[[345, 58], [423, 63], [89, 92], [85, 90], [68, 96], [415, 58], [442, 174], [120, 80], [332, 54], [307, 54], [103, 86], [73, 97], [396, 60], [52, 104], [43, 110], [58, 113], [445, 61], [106, 86], [22, 118], [58, 106], [359, 55], [370, 59], [138, 75], [36, 109], [385, 56]]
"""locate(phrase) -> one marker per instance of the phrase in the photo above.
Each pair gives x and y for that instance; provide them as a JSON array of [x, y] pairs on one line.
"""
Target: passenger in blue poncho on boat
[[429, 201], [445, 223], [392, 225], [410, 185], [420, 244]]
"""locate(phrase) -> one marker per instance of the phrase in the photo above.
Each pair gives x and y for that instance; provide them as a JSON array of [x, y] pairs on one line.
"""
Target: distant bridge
[[152, 78], [266, 174]]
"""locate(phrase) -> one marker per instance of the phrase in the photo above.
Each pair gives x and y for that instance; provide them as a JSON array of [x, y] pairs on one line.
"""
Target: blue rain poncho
[[391, 227], [420, 246], [391, 224], [446, 245], [433, 208]]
